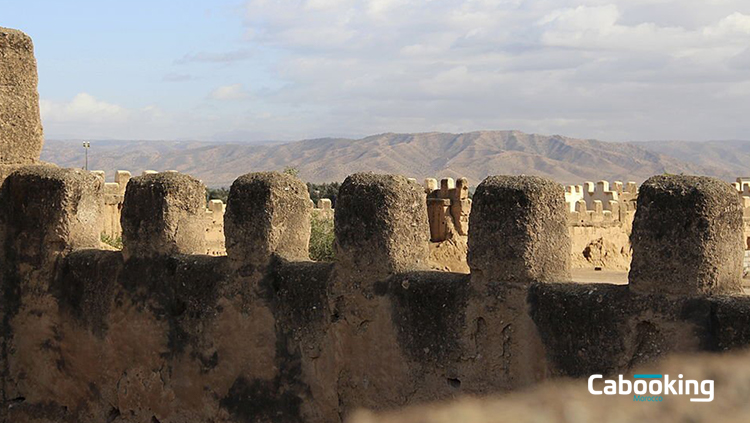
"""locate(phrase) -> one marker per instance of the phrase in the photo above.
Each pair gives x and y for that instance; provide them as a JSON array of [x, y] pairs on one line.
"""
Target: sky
[[618, 70]]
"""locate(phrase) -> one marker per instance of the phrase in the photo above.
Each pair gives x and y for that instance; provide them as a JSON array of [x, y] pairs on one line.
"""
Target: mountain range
[[473, 155]]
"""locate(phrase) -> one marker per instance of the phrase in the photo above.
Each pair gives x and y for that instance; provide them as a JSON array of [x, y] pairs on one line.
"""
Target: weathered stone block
[[431, 184], [268, 213], [45, 210], [438, 214], [462, 190], [446, 185], [381, 224], [20, 124], [518, 231], [162, 215], [687, 237]]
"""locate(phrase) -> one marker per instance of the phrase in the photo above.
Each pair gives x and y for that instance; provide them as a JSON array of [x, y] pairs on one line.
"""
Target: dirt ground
[[619, 277]]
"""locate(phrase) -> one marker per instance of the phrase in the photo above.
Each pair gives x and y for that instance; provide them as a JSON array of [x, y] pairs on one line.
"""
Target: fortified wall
[[600, 217], [161, 332], [600, 238], [600, 222], [21, 126], [156, 332], [21, 137], [600, 235], [114, 197], [213, 222]]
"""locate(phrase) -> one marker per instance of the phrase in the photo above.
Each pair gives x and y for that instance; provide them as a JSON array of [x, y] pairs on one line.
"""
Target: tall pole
[[86, 146]]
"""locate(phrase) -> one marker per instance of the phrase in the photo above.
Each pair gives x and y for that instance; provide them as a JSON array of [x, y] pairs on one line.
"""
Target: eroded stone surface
[[46, 210], [20, 124], [687, 237], [268, 213], [518, 231], [381, 224], [567, 401], [163, 214]]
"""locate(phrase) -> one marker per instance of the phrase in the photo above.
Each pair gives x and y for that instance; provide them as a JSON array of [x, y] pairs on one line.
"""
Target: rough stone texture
[[90, 337], [20, 124], [45, 213], [605, 245], [45, 210], [570, 401], [518, 231], [450, 255], [381, 224], [429, 312], [607, 329], [381, 229], [687, 237], [162, 214], [86, 287], [268, 213]]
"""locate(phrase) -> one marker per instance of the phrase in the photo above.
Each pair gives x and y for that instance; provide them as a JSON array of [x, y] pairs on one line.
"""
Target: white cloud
[[612, 69], [230, 92], [615, 69], [736, 23], [82, 108], [85, 116], [325, 4]]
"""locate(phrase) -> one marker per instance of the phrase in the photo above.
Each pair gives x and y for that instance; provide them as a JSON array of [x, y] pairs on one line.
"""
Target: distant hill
[[732, 156], [473, 155]]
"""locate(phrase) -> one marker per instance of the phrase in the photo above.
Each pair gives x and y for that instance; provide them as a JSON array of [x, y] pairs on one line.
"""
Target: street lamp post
[[86, 146]]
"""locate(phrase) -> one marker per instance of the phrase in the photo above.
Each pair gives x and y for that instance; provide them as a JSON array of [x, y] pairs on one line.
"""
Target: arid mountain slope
[[733, 156], [474, 155]]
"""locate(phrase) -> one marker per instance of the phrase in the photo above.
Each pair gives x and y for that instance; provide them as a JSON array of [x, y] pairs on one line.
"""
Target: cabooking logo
[[653, 387]]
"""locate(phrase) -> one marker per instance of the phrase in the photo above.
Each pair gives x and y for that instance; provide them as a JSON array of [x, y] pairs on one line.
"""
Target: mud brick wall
[[20, 124], [159, 334]]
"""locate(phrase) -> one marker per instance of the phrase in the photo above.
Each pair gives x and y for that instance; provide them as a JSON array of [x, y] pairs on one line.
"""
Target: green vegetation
[[321, 238], [112, 242], [217, 194], [289, 170], [328, 190], [317, 191]]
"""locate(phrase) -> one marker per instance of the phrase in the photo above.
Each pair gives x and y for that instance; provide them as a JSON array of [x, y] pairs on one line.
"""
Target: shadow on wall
[[267, 335], [162, 332]]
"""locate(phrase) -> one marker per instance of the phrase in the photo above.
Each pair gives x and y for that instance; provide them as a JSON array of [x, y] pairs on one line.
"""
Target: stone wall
[[743, 189], [570, 401], [158, 334], [20, 124], [599, 238], [163, 332], [448, 208], [213, 222], [600, 221]]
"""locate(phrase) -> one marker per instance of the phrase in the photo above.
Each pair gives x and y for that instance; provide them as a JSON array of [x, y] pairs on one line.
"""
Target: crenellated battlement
[[448, 207], [163, 332], [592, 204], [212, 226], [599, 234], [264, 331]]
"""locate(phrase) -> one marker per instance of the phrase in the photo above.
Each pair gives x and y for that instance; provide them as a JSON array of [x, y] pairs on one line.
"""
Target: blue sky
[[285, 70]]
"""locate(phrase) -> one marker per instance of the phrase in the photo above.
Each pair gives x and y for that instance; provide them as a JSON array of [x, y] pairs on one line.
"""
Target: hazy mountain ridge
[[732, 155], [474, 155]]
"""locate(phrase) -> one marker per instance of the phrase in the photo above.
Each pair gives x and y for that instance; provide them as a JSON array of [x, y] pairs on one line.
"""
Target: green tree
[[321, 238], [217, 194], [328, 190], [290, 170]]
